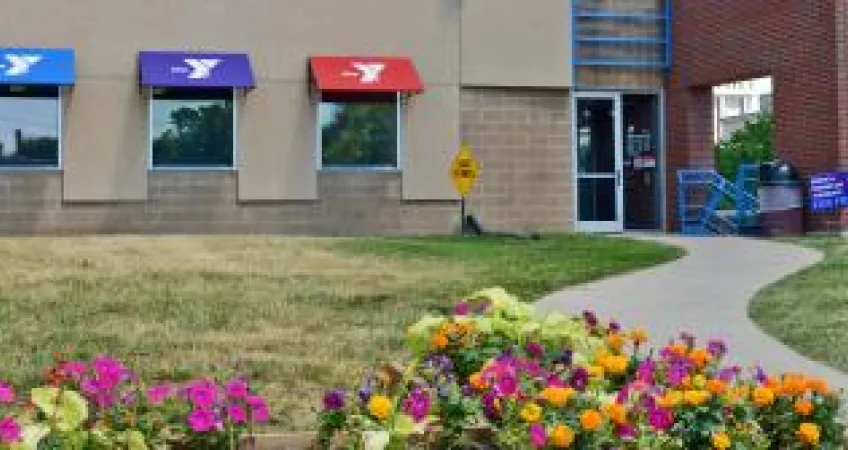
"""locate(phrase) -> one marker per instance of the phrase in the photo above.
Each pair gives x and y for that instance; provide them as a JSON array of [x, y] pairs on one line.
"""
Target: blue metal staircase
[[709, 204]]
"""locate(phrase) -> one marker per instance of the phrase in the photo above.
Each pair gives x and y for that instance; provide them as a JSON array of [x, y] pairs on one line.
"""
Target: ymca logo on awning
[[29, 66], [382, 74], [191, 69]]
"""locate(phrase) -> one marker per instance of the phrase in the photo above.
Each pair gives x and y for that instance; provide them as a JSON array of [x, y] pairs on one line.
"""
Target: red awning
[[365, 74]]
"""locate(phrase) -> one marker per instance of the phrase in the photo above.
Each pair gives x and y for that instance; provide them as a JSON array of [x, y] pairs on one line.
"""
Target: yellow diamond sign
[[464, 170]]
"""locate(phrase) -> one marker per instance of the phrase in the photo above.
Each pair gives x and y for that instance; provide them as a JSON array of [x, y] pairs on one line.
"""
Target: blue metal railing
[[712, 189]]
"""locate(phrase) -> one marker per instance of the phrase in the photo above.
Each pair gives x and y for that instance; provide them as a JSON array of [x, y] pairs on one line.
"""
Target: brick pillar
[[841, 7]]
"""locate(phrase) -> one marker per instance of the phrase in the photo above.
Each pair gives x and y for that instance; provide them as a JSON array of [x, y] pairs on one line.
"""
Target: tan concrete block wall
[[521, 137], [605, 77], [206, 202]]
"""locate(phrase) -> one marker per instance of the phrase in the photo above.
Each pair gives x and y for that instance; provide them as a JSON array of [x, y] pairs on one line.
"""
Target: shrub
[[753, 144]]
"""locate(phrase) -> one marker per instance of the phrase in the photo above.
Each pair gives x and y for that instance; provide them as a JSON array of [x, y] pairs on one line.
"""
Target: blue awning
[[37, 66], [192, 69]]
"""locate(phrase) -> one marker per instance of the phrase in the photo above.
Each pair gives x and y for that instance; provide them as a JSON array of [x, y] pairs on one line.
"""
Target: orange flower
[[439, 341], [804, 407], [670, 399], [818, 386], [557, 396], [562, 436], [639, 336], [679, 349], [615, 364], [616, 341], [700, 357], [477, 382], [591, 420], [809, 433], [617, 413], [763, 396], [721, 441], [793, 385], [716, 387], [596, 372]]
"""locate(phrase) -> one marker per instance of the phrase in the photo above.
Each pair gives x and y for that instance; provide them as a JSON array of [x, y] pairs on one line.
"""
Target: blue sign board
[[202, 70], [829, 191], [41, 66]]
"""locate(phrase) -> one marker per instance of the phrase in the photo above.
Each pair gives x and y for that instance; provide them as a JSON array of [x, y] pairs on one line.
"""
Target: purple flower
[[201, 420], [258, 408], [614, 327], [660, 419], [202, 393], [417, 404], [626, 431], [128, 398], [717, 348], [590, 318], [104, 399], [90, 386], [7, 394], [507, 384], [645, 372], [10, 430], [462, 309], [156, 395], [334, 400], [567, 357], [729, 373], [236, 388], [482, 307], [579, 379], [236, 413], [441, 363], [535, 350], [761, 375], [490, 405], [688, 338], [676, 373], [537, 436]]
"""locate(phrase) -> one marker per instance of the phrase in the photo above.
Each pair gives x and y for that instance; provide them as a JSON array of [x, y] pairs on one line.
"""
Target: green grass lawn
[[809, 310], [304, 313]]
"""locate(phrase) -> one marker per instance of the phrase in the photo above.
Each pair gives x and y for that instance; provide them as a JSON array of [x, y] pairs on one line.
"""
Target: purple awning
[[191, 69]]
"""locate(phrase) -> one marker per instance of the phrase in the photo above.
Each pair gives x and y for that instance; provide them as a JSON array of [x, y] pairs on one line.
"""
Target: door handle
[[618, 177]]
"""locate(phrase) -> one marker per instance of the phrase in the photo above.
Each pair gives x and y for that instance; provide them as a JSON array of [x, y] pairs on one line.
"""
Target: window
[[29, 126], [359, 131], [192, 128]]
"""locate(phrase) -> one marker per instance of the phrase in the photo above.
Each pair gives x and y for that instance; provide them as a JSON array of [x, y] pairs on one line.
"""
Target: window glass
[[359, 132], [29, 126], [192, 128]]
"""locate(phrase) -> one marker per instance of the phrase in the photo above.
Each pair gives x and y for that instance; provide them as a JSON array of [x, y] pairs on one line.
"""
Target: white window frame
[[150, 167], [60, 110], [400, 117]]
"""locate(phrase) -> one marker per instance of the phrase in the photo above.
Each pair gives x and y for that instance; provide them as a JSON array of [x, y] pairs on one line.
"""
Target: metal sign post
[[464, 172]]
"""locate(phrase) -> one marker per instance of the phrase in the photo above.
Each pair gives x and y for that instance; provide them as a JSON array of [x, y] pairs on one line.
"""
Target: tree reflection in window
[[359, 133], [192, 129], [29, 126]]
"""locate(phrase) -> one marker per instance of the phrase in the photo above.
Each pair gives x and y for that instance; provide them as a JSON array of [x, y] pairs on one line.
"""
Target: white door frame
[[617, 225]]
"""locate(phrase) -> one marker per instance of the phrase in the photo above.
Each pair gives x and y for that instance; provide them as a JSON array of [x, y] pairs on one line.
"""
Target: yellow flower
[[531, 413], [615, 364], [696, 398], [616, 341], [617, 413], [562, 436], [596, 372], [439, 341], [591, 420], [670, 399], [557, 396], [809, 433], [380, 407], [699, 381], [679, 349], [804, 407], [721, 441], [763, 396], [639, 336]]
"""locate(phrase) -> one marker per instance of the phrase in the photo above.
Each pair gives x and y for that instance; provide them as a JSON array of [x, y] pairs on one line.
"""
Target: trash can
[[781, 195]]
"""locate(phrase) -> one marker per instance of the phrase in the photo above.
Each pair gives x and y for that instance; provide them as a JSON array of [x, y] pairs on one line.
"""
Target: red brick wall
[[794, 41]]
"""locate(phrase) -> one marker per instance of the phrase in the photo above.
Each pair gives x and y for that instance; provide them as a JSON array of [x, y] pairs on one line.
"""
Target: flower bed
[[101, 404], [494, 374]]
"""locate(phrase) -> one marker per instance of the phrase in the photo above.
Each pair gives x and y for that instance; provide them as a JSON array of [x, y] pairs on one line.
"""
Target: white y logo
[[201, 68], [20, 64], [369, 73]]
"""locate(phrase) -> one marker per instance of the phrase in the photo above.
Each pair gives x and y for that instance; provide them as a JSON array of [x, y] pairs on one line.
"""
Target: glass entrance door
[[598, 162]]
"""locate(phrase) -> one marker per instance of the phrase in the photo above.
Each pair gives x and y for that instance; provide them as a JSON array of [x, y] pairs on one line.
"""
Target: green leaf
[[32, 436], [135, 440], [66, 410]]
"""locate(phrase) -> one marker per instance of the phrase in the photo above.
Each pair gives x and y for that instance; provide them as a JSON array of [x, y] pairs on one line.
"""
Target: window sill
[[7, 169], [193, 169], [360, 169]]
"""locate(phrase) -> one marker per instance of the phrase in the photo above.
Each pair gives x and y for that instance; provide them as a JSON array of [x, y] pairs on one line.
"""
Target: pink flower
[[462, 309], [236, 389], [201, 420], [537, 436], [10, 431], [258, 408], [109, 372], [157, 395], [75, 369], [202, 393], [7, 394], [236, 413]]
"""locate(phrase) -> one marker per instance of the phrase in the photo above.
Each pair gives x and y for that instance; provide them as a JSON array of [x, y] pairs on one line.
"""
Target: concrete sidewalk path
[[705, 293]]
